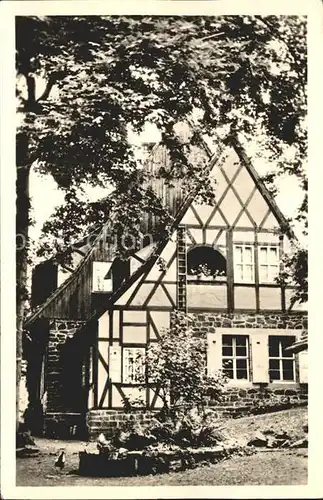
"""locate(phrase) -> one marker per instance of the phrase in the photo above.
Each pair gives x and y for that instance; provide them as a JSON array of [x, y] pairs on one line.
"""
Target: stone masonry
[[56, 415], [237, 400], [207, 322], [258, 398]]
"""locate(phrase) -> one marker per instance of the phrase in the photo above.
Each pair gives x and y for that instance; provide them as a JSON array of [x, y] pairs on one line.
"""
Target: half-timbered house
[[220, 265]]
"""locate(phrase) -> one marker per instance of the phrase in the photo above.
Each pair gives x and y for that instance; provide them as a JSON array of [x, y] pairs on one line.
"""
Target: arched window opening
[[206, 261]]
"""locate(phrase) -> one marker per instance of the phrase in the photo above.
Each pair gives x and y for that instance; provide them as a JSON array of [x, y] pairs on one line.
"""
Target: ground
[[278, 467]]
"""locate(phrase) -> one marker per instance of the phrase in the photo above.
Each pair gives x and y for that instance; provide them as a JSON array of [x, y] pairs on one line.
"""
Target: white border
[[8, 9]]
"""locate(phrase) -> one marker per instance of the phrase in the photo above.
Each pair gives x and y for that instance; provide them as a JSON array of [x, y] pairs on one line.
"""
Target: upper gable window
[[244, 263], [268, 263], [102, 277], [206, 261]]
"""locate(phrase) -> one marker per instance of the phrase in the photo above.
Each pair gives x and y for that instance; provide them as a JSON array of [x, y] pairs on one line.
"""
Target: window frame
[[234, 357], [267, 264], [99, 276], [125, 368], [243, 246], [280, 358]]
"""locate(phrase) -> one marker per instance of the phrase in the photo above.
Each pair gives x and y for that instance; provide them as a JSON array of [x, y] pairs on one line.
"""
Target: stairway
[[181, 270]]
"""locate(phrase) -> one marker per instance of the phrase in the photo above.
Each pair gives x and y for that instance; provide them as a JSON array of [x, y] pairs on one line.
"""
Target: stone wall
[[207, 322], [106, 421], [61, 422], [235, 403], [56, 412], [259, 399]]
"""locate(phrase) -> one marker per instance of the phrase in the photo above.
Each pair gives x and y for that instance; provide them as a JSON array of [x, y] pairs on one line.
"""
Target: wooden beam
[[230, 271], [256, 264]]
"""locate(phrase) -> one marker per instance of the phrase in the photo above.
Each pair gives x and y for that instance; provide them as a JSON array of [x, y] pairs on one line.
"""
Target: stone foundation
[[64, 421], [236, 402], [106, 421]]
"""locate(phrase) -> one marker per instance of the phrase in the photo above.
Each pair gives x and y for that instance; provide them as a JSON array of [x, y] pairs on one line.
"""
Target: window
[[102, 277], [206, 261], [281, 362], [235, 356], [268, 263], [243, 263], [133, 364]]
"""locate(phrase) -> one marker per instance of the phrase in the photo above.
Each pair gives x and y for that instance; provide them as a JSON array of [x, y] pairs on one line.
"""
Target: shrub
[[176, 367], [183, 429]]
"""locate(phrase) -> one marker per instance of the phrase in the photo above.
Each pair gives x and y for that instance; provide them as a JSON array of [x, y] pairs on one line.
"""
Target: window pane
[[288, 370], [227, 365], [273, 272], [263, 255], [274, 364], [273, 255], [263, 273], [238, 254], [241, 351], [241, 364], [238, 273], [242, 374], [227, 340], [286, 342], [248, 273], [247, 257], [227, 350], [274, 374], [241, 340], [228, 373], [273, 346]]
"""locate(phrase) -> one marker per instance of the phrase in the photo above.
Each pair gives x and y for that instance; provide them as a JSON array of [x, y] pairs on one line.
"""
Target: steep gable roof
[[145, 267]]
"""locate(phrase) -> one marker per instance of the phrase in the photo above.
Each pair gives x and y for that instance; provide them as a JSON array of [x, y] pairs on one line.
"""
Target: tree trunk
[[22, 223]]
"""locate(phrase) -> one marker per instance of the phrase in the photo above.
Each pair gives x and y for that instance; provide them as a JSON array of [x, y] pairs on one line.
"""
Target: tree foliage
[[103, 76]]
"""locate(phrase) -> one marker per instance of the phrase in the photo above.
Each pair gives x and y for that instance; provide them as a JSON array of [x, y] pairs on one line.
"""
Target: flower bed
[[150, 461], [172, 442]]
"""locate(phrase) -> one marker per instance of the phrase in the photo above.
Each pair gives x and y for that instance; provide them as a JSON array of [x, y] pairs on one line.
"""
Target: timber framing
[[147, 265]]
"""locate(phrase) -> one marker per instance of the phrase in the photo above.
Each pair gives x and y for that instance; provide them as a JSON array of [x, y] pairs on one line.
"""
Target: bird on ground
[[60, 461]]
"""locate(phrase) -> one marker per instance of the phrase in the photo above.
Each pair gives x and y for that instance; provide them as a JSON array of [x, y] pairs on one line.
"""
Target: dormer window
[[102, 277]]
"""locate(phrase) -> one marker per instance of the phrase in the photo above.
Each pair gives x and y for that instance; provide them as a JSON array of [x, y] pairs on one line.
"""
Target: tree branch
[[53, 78], [31, 99], [50, 84]]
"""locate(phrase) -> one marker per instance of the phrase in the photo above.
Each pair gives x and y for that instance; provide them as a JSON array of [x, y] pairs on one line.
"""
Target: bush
[[183, 428]]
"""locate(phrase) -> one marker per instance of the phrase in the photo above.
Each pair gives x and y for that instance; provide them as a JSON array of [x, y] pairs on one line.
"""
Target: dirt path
[[264, 468], [278, 467]]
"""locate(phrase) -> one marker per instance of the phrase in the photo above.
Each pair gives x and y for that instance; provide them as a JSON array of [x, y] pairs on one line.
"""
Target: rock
[[259, 440], [301, 443], [23, 439], [27, 452], [282, 435], [271, 442], [305, 427]]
